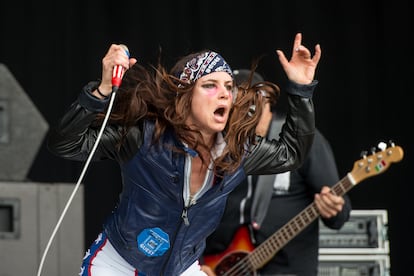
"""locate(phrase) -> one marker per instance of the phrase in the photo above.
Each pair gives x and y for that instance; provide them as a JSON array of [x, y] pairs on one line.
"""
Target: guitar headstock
[[377, 162]]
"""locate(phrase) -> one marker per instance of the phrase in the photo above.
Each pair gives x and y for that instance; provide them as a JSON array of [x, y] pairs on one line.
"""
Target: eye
[[229, 88], [209, 85]]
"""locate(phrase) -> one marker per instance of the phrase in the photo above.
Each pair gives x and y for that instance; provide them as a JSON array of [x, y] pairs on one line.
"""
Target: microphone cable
[[65, 209]]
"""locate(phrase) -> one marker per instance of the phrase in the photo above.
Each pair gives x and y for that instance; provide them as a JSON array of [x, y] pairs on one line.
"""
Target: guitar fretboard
[[266, 250]]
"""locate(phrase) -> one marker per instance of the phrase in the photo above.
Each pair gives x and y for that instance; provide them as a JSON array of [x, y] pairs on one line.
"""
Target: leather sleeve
[[289, 151], [76, 133]]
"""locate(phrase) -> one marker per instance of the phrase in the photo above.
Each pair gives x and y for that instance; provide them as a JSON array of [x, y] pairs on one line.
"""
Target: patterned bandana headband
[[204, 64]]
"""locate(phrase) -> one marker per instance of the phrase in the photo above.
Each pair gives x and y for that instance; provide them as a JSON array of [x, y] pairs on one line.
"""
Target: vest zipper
[[184, 216]]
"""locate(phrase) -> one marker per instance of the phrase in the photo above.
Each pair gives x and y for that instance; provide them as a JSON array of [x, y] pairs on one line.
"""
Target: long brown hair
[[158, 94]]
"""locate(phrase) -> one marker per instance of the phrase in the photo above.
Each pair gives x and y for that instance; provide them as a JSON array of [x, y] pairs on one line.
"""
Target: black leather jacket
[[151, 227]]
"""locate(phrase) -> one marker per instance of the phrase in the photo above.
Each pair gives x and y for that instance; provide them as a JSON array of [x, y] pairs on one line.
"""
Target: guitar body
[[239, 247], [229, 261]]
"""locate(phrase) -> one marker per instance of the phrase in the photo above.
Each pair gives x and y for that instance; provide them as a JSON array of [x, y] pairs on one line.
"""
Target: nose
[[224, 92]]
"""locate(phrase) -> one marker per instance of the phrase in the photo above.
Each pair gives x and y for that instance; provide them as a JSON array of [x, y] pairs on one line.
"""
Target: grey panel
[[22, 129], [39, 207]]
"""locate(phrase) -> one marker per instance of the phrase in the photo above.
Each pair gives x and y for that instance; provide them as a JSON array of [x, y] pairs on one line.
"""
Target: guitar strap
[[264, 186]]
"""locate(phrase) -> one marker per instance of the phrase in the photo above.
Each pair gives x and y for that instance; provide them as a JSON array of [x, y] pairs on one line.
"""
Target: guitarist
[[265, 207]]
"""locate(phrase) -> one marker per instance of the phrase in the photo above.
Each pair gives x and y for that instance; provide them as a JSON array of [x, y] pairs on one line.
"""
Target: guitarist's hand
[[207, 270], [328, 204]]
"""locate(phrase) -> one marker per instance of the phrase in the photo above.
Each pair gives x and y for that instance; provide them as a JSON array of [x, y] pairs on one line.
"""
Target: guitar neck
[[266, 250]]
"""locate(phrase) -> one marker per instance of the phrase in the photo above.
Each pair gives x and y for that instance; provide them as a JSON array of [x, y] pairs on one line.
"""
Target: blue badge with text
[[153, 242]]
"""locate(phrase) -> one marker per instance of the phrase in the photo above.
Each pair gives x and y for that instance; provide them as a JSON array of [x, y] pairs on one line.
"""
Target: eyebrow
[[215, 80]]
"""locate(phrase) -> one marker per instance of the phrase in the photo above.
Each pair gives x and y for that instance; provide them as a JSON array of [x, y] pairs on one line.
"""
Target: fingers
[[303, 52], [318, 53], [298, 48], [132, 61], [328, 204], [117, 54], [297, 42], [282, 59], [120, 55], [300, 68]]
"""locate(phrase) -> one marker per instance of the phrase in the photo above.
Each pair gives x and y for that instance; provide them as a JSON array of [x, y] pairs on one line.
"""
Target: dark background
[[365, 73]]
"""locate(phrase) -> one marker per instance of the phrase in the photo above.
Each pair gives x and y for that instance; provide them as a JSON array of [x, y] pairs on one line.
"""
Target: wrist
[[95, 89], [102, 94], [102, 91]]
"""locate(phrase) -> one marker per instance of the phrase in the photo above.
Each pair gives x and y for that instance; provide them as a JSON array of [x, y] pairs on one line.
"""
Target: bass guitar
[[244, 260]]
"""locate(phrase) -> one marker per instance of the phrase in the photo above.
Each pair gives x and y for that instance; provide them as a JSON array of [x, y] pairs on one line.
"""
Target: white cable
[[77, 184]]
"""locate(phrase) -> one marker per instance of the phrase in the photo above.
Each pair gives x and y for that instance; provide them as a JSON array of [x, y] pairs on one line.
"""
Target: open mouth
[[219, 112]]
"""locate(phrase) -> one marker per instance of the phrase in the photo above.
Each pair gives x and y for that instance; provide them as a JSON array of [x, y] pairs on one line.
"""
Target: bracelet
[[100, 93]]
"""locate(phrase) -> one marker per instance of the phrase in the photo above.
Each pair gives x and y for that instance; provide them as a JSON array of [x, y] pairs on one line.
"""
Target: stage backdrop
[[365, 74]]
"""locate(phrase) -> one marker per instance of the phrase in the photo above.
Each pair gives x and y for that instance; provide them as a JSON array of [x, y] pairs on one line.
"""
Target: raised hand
[[301, 67]]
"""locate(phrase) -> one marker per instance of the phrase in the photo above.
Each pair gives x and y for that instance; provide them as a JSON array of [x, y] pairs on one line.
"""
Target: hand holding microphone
[[114, 64]]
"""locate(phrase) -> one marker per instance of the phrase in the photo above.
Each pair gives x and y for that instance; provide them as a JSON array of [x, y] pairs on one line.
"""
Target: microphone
[[119, 71]]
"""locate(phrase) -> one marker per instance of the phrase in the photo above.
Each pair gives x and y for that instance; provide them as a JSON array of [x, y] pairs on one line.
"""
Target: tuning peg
[[382, 146], [363, 154]]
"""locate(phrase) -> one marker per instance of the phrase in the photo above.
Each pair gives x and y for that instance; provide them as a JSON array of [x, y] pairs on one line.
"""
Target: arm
[[334, 210], [76, 133], [320, 174], [288, 152]]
